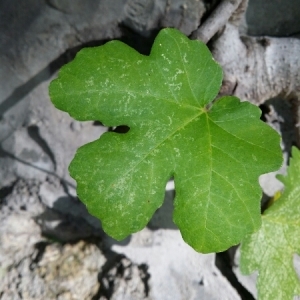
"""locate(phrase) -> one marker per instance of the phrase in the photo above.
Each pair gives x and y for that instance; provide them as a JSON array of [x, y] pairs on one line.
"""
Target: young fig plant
[[214, 149]]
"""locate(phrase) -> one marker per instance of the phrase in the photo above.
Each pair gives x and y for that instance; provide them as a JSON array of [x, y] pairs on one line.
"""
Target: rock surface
[[190, 275]]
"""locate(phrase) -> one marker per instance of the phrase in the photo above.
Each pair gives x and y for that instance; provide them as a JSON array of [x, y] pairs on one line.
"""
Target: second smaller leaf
[[271, 249]]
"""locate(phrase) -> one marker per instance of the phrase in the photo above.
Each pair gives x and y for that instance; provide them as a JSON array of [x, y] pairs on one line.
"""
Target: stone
[[125, 281], [273, 17], [184, 15], [176, 274], [55, 272], [143, 15]]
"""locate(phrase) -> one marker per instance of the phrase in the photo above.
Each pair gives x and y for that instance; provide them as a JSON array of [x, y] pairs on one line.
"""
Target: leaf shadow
[[67, 220], [163, 217]]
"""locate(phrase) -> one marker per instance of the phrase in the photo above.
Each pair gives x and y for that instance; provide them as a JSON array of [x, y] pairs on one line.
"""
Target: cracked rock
[[190, 275], [124, 281], [54, 271]]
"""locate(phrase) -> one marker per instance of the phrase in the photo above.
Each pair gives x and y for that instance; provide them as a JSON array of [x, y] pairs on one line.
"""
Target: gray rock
[[33, 267], [74, 6], [29, 153], [184, 15], [53, 271], [273, 17], [125, 281], [143, 15], [176, 271]]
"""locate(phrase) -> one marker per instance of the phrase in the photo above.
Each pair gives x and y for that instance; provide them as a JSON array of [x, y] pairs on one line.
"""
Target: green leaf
[[215, 151], [271, 249]]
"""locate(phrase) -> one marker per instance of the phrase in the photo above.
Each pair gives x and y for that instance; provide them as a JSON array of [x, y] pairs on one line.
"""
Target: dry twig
[[218, 18]]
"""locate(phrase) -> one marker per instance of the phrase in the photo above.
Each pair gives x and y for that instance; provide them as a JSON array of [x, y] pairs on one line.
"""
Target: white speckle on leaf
[[131, 95], [178, 71], [167, 59], [177, 151], [125, 66], [184, 41], [155, 151], [185, 59], [149, 134], [120, 207], [175, 86], [90, 82], [132, 195]]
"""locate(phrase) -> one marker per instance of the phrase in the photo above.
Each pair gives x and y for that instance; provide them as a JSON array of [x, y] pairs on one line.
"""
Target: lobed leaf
[[215, 150], [271, 249]]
